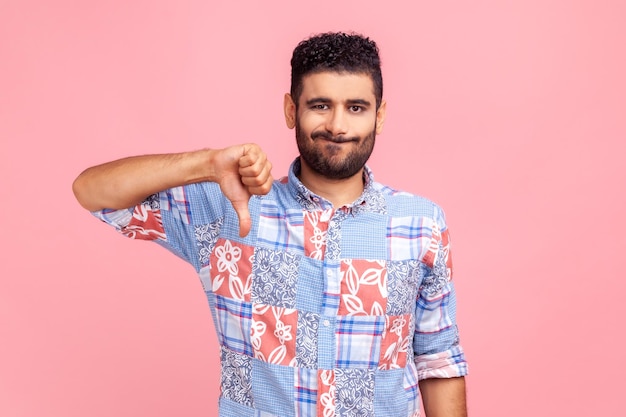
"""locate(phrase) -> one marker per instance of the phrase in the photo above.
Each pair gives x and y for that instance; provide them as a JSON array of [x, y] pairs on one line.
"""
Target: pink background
[[515, 111]]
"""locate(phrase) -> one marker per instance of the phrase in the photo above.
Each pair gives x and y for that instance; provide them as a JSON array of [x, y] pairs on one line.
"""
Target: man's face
[[336, 122]]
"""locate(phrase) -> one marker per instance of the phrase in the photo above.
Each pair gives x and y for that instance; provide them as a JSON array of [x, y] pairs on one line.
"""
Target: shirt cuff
[[116, 218], [447, 364]]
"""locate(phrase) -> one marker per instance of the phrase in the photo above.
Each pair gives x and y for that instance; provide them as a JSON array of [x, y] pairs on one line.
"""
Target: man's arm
[[240, 170], [444, 397], [440, 359]]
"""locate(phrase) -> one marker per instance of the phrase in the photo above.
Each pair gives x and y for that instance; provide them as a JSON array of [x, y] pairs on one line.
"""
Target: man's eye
[[356, 109], [320, 106]]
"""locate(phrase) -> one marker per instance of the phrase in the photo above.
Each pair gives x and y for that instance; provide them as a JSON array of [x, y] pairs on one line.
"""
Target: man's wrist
[[200, 166]]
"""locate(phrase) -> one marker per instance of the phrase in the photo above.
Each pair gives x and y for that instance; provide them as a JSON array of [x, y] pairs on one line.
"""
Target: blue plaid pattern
[[359, 341], [332, 289], [234, 321], [272, 223], [408, 237], [280, 229], [411, 389], [334, 354], [115, 218], [433, 313], [176, 202], [305, 393]]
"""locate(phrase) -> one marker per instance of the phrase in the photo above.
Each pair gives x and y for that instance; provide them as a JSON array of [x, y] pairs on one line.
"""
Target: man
[[331, 294]]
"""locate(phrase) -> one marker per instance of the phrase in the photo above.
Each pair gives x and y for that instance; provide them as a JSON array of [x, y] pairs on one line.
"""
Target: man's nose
[[337, 122]]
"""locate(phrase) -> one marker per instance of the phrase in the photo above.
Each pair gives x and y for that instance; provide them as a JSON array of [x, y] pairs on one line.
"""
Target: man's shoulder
[[392, 193], [404, 203]]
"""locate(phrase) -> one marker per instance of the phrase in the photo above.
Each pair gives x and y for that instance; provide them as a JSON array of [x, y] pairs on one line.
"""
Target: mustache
[[337, 139]]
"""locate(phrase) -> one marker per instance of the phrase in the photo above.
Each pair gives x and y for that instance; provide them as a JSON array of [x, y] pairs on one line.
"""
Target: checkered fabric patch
[[432, 311], [332, 288], [280, 230], [274, 391], [176, 201], [234, 319], [359, 340], [450, 363], [408, 237], [389, 396], [411, 387], [305, 395]]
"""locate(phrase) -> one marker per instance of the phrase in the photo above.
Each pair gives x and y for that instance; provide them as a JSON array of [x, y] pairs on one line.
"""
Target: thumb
[[245, 223]]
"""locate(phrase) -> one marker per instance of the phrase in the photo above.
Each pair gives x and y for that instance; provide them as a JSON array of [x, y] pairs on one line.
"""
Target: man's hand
[[242, 171]]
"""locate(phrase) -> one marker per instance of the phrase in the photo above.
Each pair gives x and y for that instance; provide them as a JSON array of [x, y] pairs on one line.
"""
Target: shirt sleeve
[[438, 353], [143, 221], [170, 218]]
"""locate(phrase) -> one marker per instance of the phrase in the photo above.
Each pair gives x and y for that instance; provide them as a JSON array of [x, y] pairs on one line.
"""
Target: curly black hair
[[338, 52]]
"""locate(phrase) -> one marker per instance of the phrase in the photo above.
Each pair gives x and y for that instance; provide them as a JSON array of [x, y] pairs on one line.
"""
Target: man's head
[[335, 104], [336, 52]]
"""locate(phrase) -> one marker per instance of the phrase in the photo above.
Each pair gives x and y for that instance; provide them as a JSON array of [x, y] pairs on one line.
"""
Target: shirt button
[[326, 323]]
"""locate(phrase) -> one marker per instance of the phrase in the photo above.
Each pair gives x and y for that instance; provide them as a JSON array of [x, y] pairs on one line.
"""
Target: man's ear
[[381, 113], [290, 111]]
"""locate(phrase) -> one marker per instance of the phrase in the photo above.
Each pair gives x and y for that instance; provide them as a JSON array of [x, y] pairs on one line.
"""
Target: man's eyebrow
[[318, 100], [326, 100], [359, 101]]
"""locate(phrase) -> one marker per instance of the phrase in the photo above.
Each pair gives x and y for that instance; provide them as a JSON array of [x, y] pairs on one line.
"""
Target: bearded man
[[330, 293]]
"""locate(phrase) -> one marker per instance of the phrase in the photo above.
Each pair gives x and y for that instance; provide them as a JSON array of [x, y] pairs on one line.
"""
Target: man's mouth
[[337, 139]]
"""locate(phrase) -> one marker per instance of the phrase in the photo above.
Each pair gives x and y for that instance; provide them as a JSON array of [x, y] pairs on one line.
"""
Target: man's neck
[[339, 192]]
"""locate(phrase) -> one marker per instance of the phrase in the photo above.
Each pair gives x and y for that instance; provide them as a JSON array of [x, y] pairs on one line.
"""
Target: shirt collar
[[311, 201]]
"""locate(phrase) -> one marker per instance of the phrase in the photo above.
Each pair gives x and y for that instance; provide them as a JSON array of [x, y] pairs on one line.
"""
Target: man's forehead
[[335, 84]]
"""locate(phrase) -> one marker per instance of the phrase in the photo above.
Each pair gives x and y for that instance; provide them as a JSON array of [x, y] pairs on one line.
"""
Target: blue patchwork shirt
[[319, 311]]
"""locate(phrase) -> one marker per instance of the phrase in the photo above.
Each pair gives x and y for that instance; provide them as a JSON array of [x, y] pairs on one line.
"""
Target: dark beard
[[329, 166]]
